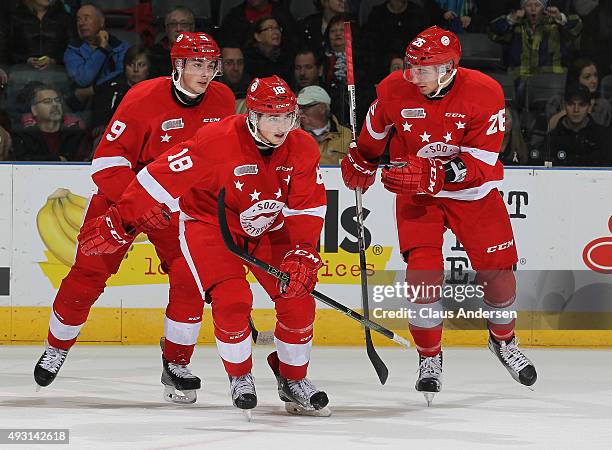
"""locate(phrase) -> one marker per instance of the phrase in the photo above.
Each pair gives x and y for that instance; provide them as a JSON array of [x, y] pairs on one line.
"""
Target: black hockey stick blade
[[379, 366]]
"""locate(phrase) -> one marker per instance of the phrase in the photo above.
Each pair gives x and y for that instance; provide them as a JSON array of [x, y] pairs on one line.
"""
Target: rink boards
[[560, 219]]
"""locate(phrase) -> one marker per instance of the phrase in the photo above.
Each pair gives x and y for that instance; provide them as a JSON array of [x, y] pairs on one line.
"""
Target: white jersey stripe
[[188, 258], [483, 155], [99, 164], [474, 193], [318, 211], [156, 190], [376, 135]]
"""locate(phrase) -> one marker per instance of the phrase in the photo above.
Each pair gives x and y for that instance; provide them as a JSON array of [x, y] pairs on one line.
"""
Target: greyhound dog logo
[[597, 254]]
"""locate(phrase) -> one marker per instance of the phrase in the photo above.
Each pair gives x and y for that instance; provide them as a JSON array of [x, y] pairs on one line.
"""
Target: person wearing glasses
[[176, 21], [266, 55], [48, 139]]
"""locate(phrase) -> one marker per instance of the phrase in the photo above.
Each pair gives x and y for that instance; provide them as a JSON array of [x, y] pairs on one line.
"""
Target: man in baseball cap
[[316, 119]]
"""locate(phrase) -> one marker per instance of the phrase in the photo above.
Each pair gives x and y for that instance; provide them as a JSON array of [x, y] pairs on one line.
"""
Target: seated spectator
[[266, 55], [6, 144], [391, 26], [177, 20], [577, 140], [582, 71], [462, 15], [236, 26], [234, 75], [307, 69], [396, 62], [312, 28], [40, 31], [316, 118], [108, 95], [514, 148], [538, 37], [48, 140], [98, 56]]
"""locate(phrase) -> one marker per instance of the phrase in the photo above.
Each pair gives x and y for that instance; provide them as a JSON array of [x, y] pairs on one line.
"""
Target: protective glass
[[203, 67], [423, 74], [276, 123]]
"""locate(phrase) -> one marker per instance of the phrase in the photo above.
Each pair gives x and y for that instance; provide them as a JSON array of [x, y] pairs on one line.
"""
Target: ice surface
[[111, 397]]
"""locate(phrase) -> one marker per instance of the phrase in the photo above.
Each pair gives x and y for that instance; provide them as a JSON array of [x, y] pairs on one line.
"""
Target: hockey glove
[[415, 176], [157, 218], [302, 265], [103, 234], [357, 172]]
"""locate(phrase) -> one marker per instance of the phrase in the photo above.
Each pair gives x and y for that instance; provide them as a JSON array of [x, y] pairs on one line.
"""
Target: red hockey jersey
[[263, 193], [148, 122], [468, 122]]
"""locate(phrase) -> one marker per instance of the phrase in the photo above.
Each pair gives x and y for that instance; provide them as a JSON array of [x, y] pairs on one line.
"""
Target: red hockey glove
[[302, 265], [157, 218], [104, 234], [357, 172], [414, 176]]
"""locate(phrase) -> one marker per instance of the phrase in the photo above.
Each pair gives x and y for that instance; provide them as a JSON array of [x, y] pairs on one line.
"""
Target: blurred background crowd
[[66, 64]]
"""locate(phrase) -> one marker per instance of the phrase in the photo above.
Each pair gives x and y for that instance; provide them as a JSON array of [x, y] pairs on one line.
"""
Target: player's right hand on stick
[[302, 265], [357, 172], [104, 234]]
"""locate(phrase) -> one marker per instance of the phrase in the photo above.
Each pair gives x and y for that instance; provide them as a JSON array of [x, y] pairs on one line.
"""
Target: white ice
[[111, 397]]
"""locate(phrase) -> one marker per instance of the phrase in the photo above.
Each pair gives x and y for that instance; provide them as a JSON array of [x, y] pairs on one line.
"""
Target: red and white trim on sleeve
[[376, 135], [181, 332], [486, 156], [106, 162], [156, 190], [317, 211]]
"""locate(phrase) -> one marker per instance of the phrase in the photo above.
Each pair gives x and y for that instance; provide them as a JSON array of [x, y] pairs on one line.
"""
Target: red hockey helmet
[[194, 45], [271, 110], [270, 95], [433, 46]]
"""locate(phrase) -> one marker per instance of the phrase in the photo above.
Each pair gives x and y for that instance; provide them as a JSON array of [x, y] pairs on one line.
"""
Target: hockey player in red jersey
[[276, 204], [449, 124], [154, 116]]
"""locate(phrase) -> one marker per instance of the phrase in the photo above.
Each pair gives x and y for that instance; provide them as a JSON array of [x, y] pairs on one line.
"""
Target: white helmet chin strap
[[446, 83]]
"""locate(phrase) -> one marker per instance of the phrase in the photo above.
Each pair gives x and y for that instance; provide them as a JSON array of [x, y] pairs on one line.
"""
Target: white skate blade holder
[[298, 410], [177, 397], [429, 396]]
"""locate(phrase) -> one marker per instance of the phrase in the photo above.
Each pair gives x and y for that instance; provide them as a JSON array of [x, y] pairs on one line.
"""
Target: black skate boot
[[180, 385], [48, 365], [430, 376], [301, 397], [242, 390], [515, 362]]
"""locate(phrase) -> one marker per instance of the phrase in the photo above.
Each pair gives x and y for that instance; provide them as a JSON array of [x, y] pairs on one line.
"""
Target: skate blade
[[177, 397], [38, 387], [248, 414], [298, 410], [429, 396]]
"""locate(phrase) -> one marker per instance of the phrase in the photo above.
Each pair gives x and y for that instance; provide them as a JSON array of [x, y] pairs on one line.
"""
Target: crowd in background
[[66, 64]]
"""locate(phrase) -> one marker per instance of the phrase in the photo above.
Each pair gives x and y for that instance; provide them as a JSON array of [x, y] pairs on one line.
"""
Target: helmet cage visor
[[425, 74]]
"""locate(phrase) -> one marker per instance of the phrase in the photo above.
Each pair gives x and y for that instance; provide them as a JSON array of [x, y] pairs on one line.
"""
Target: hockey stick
[[379, 366], [239, 252]]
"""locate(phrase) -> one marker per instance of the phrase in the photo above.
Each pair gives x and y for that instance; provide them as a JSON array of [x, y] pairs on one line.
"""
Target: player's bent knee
[[424, 274], [232, 301], [499, 286]]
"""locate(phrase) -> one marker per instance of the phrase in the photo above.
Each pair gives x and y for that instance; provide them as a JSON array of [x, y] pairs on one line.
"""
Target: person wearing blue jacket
[[98, 57]]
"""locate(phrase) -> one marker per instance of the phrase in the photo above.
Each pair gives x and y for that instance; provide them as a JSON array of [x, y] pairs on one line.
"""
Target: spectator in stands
[[234, 75], [316, 118], [539, 37], [48, 140], [312, 28], [39, 32], [307, 69], [177, 20], [514, 148], [98, 57], [5, 136], [462, 15], [238, 23], [582, 71], [390, 27], [578, 140], [396, 62], [109, 94], [266, 55]]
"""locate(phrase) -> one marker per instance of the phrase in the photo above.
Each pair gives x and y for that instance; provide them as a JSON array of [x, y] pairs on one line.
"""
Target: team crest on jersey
[[247, 169], [259, 217], [437, 150], [414, 113], [172, 124]]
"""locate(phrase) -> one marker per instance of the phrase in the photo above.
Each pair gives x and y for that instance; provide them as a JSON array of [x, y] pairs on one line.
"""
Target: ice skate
[[242, 390], [180, 385], [48, 366], [515, 362], [430, 376], [301, 397]]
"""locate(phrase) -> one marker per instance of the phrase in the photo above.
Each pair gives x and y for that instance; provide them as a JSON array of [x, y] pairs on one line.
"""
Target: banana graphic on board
[[59, 222]]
